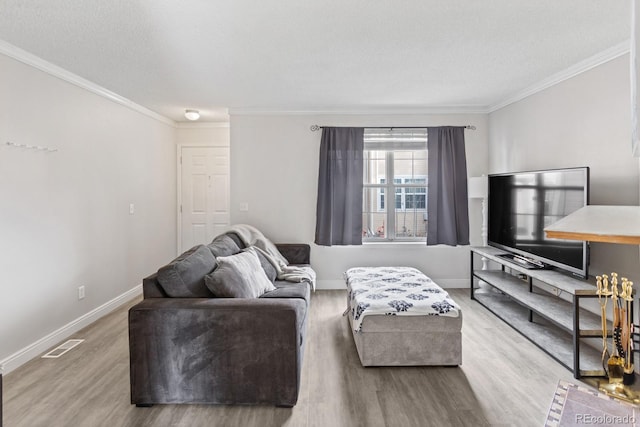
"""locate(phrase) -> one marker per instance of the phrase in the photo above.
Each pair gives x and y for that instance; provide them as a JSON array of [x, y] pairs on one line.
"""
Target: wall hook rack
[[31, 147]]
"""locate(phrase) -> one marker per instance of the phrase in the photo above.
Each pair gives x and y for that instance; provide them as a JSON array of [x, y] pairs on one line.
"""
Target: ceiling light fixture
[[192, 114]]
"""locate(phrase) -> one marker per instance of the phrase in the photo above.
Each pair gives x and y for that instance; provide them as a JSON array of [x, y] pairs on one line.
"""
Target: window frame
[[389, 187]]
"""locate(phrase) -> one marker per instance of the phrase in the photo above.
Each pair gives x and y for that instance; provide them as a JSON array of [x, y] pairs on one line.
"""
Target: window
[[395, 164]]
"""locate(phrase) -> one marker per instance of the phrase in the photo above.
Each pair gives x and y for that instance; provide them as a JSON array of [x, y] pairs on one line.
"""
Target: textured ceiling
[[313, 55]]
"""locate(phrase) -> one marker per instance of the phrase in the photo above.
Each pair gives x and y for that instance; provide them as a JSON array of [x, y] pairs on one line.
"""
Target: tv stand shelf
[[555, 325]]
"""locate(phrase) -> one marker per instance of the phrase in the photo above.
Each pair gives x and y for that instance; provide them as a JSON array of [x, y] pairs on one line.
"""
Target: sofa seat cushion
[[184, 276], [289, 290], [239, 276]]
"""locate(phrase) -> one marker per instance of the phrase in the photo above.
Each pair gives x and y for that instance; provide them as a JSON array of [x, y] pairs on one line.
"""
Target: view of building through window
[[399, 170]]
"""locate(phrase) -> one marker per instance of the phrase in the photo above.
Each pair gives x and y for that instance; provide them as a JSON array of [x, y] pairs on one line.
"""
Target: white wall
[[583, 121], [274, 168], [204, 134], [64, 217]]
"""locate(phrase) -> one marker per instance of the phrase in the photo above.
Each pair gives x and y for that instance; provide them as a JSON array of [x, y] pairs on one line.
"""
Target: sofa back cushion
[[239, 276], [184, 276], [268, 268], [229, 244], [237, 239], [223, 245]]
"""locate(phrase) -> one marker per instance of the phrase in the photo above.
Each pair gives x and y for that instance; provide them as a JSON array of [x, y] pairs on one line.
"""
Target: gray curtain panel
[[447, 207], [339, 207]]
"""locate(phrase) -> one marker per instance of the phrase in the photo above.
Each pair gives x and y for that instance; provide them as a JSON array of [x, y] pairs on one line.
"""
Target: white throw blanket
[[251, 236]]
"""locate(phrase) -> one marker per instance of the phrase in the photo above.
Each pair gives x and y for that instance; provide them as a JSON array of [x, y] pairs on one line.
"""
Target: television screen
[[522, 204]]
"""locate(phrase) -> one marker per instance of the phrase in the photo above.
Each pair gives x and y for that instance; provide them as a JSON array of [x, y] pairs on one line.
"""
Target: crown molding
[[574, 70], [27, 58], [579, 68], [370, 110]]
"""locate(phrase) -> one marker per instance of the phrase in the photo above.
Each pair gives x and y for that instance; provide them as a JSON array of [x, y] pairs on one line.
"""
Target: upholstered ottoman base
[[409, 340]]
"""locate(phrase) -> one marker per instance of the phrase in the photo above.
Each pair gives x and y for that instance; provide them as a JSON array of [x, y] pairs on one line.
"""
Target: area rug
[[579, 405]]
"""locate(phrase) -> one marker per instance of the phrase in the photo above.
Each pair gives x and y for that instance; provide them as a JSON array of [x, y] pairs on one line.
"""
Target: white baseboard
[[443, 283], [31, 351]]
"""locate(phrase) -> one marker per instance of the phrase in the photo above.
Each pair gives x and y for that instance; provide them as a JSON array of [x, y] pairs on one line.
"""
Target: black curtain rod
[[316, 127]]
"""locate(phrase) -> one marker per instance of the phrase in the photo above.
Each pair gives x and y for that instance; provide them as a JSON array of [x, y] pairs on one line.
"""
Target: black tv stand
[[528, 263]]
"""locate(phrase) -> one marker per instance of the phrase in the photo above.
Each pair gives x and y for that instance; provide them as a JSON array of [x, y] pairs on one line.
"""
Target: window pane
[[373, 226], [411, 223], [417, 201], [373, 199], [410, 164], [373, 214], [374, 167], [415, 198], [411, 218], [422, 180]]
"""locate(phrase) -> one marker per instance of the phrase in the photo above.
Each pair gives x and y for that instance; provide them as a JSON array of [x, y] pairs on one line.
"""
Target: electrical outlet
[[80, 292], [132, 209]]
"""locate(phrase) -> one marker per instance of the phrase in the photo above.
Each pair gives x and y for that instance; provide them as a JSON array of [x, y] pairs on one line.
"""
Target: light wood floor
[[504, 381]]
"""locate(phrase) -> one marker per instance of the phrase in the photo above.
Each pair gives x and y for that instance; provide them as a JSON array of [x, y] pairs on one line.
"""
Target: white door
[[204, 189]]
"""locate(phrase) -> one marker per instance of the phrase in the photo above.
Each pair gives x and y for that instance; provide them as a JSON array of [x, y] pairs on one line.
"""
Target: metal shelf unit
[[557, 326]]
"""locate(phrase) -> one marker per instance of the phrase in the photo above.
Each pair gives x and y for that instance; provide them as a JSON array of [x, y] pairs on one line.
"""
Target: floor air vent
[[61, 349]]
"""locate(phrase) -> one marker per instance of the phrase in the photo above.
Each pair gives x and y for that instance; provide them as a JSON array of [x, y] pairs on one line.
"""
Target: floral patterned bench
[[400, 317]]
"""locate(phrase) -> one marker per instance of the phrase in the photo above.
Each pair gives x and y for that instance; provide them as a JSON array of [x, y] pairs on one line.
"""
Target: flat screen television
[[522, 204]]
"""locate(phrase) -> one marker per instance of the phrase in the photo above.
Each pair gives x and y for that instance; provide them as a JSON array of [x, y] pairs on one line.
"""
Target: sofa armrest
[[295, 253], [218, 350]]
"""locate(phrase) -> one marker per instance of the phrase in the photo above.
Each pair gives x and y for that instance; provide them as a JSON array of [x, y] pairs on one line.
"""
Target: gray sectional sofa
[[189, 346]]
